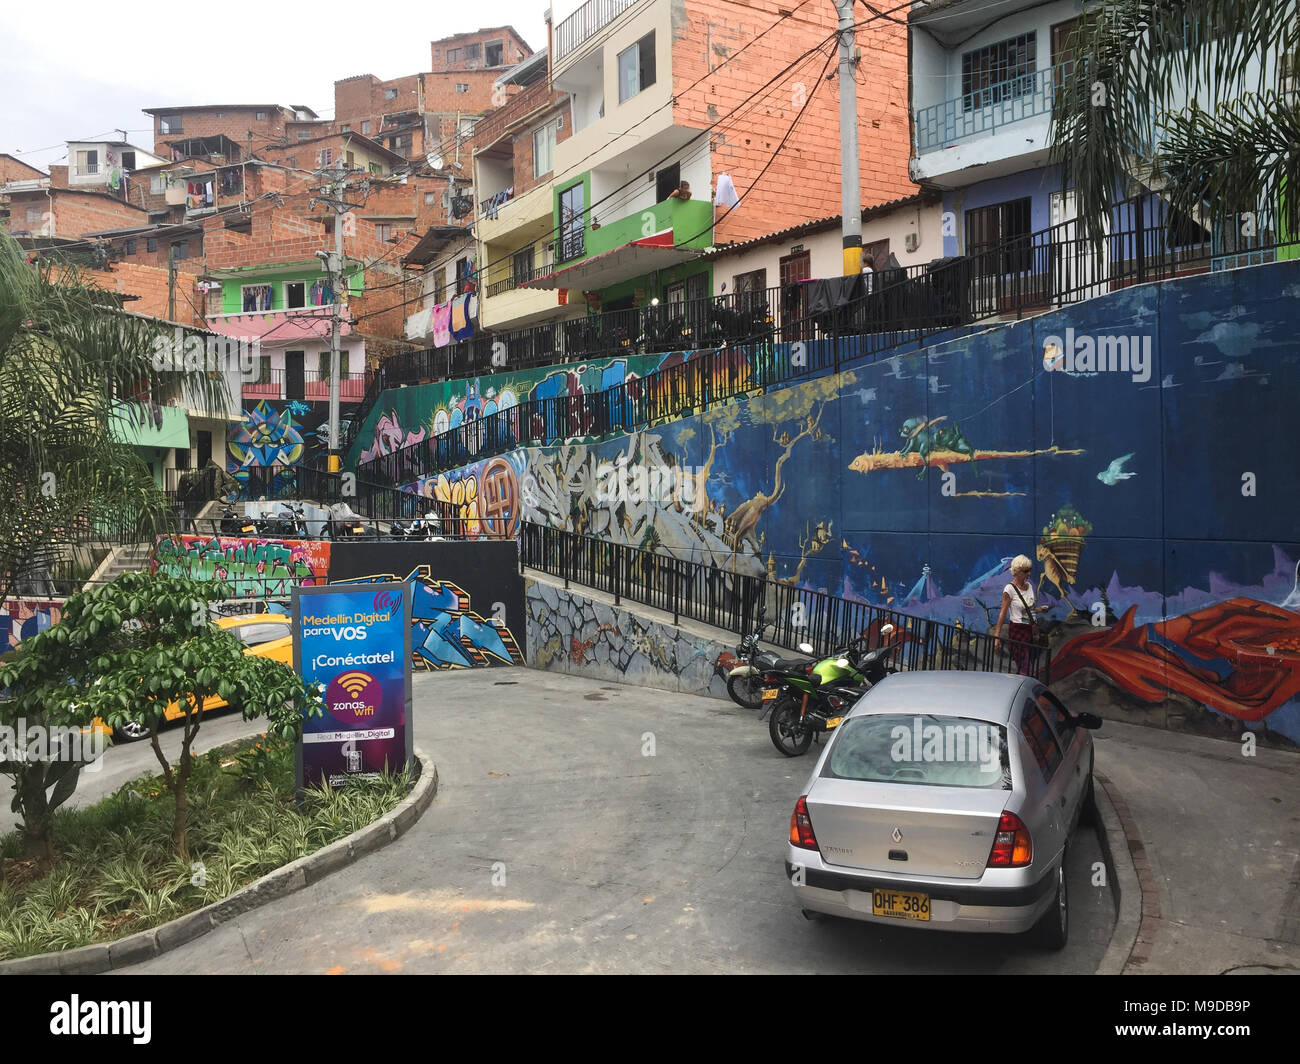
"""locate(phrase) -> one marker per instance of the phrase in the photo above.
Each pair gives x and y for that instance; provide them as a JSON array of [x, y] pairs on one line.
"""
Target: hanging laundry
[[463, 311], [419, 325], [257, 297], [442, 325], [726, 196]]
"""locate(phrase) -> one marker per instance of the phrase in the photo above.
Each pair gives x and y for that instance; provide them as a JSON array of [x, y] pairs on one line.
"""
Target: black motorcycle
[[287, 523], [233, 524], [745, 682], [426, 528]]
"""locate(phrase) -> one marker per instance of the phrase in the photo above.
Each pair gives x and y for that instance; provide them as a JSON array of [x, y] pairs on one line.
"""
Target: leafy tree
[[1194, 98], [71, 363], [129, 651]]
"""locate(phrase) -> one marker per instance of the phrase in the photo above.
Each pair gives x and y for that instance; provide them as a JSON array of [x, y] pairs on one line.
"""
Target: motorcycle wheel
[[746, 691], [788, 733]]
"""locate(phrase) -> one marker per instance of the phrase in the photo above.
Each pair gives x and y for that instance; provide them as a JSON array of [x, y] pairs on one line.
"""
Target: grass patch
[[118, 874]]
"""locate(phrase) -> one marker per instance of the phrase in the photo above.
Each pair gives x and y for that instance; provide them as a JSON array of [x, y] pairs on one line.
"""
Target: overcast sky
[[83, 69]]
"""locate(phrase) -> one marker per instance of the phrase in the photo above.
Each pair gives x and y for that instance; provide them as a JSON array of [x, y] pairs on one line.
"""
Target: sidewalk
[[1215, 840]]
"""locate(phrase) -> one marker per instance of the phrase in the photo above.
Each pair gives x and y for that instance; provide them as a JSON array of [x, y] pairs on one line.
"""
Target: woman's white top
[[1016, 612]]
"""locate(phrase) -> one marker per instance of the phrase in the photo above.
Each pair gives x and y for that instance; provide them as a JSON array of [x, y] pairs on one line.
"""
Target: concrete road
[[556, 845], [125, 761]]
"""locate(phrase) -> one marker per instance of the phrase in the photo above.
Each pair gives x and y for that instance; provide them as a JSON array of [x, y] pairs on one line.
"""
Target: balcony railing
[[585, 23], [1054, 267], [310, 386], [988, 109]]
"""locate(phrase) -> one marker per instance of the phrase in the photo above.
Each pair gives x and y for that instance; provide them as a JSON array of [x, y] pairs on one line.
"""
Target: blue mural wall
[[1159, 501]]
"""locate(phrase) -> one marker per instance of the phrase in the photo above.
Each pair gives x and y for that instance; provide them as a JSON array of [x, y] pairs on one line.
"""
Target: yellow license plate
[[770, 693], [900, 904]]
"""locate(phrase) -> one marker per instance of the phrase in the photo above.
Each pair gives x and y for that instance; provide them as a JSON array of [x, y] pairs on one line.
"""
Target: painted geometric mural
[[1157, 494]]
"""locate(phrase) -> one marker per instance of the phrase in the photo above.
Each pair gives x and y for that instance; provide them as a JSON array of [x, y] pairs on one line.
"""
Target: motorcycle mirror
[[805, 648], [887, 629]]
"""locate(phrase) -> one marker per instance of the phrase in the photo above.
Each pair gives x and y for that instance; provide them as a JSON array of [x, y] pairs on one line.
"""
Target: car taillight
[[801, 832], [1012, 848]]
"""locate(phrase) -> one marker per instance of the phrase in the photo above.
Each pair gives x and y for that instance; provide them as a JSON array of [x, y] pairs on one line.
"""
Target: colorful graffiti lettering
[[390, 437], [486, 495], [446, 632], [252, 566]]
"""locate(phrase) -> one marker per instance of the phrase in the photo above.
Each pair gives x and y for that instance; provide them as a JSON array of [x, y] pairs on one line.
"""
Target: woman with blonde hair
[[1018, 602]]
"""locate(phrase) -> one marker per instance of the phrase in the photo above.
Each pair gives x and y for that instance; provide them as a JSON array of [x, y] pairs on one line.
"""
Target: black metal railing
[[731, 600], [587, 21], [739, 336]]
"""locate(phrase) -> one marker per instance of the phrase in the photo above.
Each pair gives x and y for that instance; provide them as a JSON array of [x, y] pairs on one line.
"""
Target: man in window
[[682, 193]]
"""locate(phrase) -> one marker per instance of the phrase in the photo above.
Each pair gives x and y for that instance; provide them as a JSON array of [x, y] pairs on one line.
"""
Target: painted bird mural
[[1114, 473]]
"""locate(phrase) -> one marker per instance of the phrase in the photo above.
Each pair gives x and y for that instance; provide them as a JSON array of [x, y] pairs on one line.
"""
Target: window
[[1038, 734], [304, 134], [461, 87], [263, 363], [365, 128], [169, 124], [523, 266], [34, 215], [667, 180], [295, 294], [383, 231], [464, 276], [326, 156], [544, 149], [293, 162], [375, 168], [453, 55], [256, 297], [870, 749], [572, 223], [878, 252], [429, 198], [323, 368], [390, 94], [128, 160], [751, 288], [157, 185], [350, 159], [403, 141], [471, 51], [636, 68], [87, 162], [130, 246], [466, 126], [493, 54], [347, 129], [1005, 225], [997, 72], [1060, 720], [151, 244], [261, 116], [181, 250]]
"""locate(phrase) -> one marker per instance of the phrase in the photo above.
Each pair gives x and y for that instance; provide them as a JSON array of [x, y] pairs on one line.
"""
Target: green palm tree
[[1193, 99], [71, 361]]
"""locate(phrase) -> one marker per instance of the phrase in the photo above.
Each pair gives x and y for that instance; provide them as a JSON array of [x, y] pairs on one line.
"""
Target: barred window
[[998, 72]]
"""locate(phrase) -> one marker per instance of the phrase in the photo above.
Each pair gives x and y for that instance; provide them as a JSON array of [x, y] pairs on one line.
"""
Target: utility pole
[[171, 282], [850, 179], [336, 187]]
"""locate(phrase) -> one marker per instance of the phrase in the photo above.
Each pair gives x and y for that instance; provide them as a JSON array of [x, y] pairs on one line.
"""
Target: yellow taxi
[[264, 635]]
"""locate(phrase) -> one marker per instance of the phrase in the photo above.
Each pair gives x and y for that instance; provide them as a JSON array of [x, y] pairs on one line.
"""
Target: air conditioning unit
[[911, 241]]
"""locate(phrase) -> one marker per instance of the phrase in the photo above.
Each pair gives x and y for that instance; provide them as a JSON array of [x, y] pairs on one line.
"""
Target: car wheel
[[788, 733], [746, 690], [131, 732], [1053, 927]]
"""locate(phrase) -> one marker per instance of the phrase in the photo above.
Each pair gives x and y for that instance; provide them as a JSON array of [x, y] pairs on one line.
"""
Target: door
[[294, 382], [1077, 270], [205, 448], [572, 223], [1053, 816], [794, 296]]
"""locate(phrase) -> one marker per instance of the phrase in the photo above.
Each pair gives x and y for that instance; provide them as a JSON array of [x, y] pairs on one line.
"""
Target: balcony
[[584, 24], [307, 386], [988, 110]]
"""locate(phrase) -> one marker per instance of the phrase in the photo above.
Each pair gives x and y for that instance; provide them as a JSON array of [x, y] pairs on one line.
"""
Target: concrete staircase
[[131, 558]]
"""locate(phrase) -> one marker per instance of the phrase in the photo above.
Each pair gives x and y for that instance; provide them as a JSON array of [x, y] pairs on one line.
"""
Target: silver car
[[946, 800]]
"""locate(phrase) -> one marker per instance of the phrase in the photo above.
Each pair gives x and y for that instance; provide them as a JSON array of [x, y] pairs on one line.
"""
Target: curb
[[1120, 846], [107, 956]]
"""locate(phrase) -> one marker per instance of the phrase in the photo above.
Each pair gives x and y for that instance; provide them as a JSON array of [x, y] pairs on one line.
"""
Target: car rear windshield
[[916, 748]]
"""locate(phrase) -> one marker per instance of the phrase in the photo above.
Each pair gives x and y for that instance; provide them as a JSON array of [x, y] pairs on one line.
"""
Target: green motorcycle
[[806, 704]]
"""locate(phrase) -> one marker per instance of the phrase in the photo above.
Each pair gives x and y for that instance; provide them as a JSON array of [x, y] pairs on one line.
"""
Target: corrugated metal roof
[[817, 225]]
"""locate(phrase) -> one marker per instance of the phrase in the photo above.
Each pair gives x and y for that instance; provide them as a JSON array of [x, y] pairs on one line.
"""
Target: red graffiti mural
[[1241, 657]]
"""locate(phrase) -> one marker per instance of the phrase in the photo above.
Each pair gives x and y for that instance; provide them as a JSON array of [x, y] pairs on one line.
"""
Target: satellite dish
[[434, 160]]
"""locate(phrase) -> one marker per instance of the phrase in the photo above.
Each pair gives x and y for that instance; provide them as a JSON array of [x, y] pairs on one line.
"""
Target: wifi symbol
[[354, 683]]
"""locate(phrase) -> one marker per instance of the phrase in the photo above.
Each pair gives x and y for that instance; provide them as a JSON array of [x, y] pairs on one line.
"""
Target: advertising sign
[[354, 641]]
